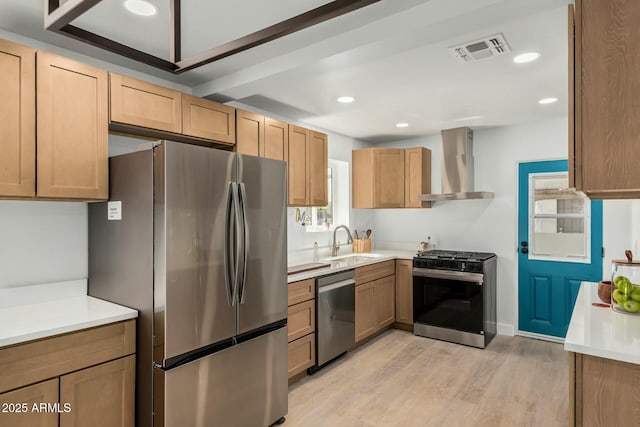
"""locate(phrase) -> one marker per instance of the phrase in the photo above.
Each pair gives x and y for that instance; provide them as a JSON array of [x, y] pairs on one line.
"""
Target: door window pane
[[558, 218]]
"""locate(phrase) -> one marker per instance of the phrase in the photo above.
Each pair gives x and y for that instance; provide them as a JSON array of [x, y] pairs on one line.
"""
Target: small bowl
[[604, 291]]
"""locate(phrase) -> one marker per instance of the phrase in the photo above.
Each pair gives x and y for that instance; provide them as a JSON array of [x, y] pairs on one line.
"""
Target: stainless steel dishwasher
[[336, 316]]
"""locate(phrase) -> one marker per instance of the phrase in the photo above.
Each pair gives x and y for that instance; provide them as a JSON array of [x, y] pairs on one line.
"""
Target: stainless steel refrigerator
[[195, 239]]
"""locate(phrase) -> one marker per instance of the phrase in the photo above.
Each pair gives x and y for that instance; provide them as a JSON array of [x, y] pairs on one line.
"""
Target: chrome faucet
[[335, 247]]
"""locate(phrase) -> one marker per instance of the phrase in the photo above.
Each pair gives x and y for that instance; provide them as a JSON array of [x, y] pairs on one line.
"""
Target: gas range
[[454, 296], [452, 260]]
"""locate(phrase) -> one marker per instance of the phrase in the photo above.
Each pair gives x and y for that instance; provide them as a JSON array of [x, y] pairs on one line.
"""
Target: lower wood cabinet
[[301, 320], [603, 392], [302, 355], [84, 378], [375, 298], [301, 326], [404, 291], [385, 301], [17, 406], [366, 319], [100, 395]]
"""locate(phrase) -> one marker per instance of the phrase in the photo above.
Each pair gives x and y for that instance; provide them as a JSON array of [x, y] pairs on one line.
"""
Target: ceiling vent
[[480, 49]]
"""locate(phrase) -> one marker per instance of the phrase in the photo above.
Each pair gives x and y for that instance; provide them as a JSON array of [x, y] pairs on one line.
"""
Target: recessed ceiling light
[[402, 125], [346, 99], [464, 119], [547, 100], [141, 7], [526, 57]]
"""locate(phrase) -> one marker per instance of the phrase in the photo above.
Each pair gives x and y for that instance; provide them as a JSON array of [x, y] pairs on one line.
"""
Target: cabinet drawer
[[44, 392], [301, 291], [302, 354], [301, 320], [374, 271], [207, 119], [139, 103], [35, 361]]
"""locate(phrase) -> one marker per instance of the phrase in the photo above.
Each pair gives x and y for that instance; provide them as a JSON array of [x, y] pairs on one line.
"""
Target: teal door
[[559, 246]]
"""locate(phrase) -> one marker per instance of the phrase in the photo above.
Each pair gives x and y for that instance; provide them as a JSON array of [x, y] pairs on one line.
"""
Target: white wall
[[490, 225], [42, 242]]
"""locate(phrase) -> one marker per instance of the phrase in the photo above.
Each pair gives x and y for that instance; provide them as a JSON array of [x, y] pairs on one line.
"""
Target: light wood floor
[[399, 379]]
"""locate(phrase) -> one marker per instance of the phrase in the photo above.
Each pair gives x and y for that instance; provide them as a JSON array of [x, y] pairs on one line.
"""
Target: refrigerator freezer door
[[245, 385], [263, 289], [191, 297]]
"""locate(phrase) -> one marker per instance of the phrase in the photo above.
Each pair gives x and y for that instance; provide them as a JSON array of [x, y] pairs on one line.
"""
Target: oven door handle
[[452, 275]]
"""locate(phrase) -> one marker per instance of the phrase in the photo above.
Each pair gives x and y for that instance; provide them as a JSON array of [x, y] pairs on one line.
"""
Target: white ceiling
[[391, 56]]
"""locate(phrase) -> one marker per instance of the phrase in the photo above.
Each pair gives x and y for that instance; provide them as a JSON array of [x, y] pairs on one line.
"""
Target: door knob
[[524, 250], [524, 244]]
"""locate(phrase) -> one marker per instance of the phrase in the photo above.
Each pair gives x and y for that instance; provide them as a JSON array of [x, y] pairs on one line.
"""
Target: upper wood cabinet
[[298, 157], [378, 178], [72, 129], [308, 164], [317, 169], [417, 176], [152, 108], [206, 119], [138, 103], [603, 153], [404, 291], [276, 140], [261, 136], [249, 133], [17, 120], [390, 177]]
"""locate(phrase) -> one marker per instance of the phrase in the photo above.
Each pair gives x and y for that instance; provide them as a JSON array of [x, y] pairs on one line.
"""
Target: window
[[560, 221], [337, 210]]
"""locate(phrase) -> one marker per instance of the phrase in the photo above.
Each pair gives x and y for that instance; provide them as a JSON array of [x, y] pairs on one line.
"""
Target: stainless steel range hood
[[457, 168]]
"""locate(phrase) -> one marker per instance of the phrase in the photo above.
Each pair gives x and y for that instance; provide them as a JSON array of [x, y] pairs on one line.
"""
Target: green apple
[[619, 297], [635, 295], [632, 306], [625, 287], [621, 281]]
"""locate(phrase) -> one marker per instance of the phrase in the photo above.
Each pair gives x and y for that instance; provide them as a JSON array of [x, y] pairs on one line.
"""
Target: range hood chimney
[[457, 168]]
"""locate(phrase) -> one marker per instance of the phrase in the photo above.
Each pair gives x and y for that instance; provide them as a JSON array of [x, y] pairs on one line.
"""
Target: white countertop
[[34, 316], [599, 331], [349, 263]]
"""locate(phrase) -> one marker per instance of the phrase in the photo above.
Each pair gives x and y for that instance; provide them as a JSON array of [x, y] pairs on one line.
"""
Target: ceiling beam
[[281, 29], [58, 18]]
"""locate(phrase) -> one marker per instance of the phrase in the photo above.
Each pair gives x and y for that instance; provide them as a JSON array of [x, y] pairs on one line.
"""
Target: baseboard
[[541, 337], [403, 326], [506, 329]]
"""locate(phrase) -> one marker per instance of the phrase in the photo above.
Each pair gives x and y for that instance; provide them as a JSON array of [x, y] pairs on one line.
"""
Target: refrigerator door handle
[[238, 242], [245, 242], [229, 256]]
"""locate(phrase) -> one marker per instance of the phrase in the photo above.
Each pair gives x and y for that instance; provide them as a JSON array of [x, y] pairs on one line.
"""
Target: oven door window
[[448, 303]]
